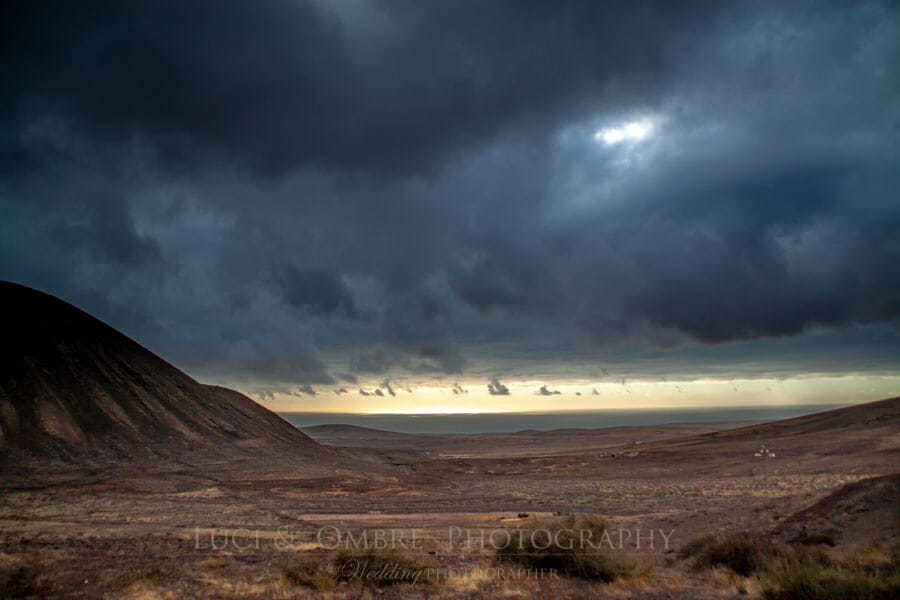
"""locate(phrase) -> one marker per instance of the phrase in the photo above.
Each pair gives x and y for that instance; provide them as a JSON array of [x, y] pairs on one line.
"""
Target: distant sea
[[512, 421]]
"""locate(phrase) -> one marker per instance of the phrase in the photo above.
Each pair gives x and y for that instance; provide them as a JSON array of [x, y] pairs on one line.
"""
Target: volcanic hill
[[73, 387]]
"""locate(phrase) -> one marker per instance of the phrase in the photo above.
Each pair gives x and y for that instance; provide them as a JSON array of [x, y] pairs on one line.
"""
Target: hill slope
[[861, 427], [857, 514], [71, 385], [863, 438]]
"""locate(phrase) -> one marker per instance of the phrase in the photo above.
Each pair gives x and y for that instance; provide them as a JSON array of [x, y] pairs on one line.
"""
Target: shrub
[[23, 582], [571, 546], [155, 573], [871, 561], [214, 563], [817, 539], [807, 555], [743, 553], [850, 579], [309, 573], [382, 568], [523, 515]]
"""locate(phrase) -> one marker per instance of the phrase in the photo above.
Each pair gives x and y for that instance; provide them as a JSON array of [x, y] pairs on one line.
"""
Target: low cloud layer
[[248, 188]]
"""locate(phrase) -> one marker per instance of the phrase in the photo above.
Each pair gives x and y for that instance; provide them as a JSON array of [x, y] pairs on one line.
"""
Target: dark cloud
[[279, 86], [497, 389], [545, 391], [421, 325], [372, 362], [315, 290], [243, 187]]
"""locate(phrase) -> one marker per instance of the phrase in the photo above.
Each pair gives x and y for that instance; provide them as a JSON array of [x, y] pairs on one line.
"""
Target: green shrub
[[382, 568], [570, 546]]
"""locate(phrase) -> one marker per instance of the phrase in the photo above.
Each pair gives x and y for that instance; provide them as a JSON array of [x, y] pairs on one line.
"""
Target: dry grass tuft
[[155, 574], [743, 553], [865, 575], [800, 572], [571, 546], [214, 563], [308, 572], [469, 581]]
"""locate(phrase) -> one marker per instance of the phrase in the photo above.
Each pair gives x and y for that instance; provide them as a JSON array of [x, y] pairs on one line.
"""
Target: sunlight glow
[[612, 392], [634, 131], [436, 410]]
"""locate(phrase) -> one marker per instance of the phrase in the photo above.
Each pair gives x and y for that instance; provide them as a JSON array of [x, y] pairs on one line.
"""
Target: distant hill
[[485, 445], [862, 426], [876, 413], [859, 438], [72, 386]]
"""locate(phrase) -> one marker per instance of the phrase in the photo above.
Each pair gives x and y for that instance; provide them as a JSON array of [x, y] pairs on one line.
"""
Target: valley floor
[[228, 530]]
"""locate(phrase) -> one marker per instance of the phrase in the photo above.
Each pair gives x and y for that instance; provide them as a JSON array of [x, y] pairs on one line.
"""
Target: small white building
[[763, 452]]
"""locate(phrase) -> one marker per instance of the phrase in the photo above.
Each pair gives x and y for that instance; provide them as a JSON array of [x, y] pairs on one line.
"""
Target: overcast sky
[[334, 194]]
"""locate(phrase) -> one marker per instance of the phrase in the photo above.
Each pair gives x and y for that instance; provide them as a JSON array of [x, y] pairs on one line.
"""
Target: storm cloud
[[256, 188]]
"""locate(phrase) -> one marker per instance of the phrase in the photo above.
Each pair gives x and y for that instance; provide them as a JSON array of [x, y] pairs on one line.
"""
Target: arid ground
[[206, 529]]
